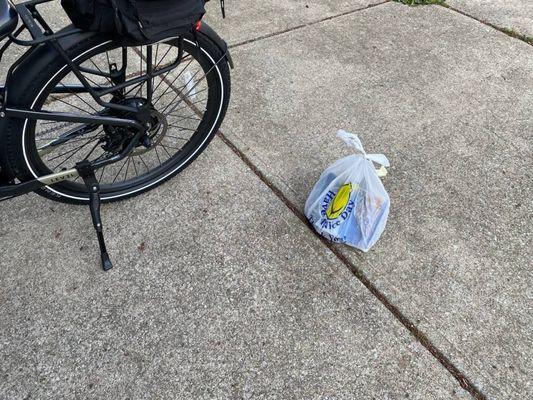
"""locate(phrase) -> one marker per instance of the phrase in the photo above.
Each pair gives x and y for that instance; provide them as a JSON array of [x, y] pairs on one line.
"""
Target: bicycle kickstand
[[86, 172]]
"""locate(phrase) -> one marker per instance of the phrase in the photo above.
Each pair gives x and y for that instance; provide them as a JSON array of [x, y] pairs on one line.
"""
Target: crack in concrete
[[294, 28], [420, 336], [509, 32]]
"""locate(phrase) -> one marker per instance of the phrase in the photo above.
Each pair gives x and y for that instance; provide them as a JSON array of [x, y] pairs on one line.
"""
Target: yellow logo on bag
[[339, 202]]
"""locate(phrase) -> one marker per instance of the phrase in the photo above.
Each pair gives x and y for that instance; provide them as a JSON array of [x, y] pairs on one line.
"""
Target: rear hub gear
[[156, 128]]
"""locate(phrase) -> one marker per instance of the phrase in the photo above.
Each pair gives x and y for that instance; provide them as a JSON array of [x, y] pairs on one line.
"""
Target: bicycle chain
[[55, 128]]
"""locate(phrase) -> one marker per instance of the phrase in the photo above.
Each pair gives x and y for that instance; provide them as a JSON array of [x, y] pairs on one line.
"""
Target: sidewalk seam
[[506, 31], [297, 27], [464, 382]]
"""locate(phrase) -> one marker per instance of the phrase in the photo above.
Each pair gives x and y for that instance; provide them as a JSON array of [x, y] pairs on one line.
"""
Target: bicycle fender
[[38, 54], [6, 174], [206, 30]]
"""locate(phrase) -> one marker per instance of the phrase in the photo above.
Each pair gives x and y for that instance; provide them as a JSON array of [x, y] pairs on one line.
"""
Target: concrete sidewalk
[[226, 293], [511, 15]]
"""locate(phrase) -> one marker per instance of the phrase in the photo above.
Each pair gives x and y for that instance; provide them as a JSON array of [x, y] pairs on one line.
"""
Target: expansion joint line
[[506, 31], [297, 27], [465, 383]]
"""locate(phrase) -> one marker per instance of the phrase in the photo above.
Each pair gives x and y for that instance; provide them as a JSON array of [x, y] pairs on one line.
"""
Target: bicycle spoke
[[134, 166], [102, 172], [93, 82], [164, 148], [79, 97], [120, 170], [179, 94], [182, 128], [71, 150], [169, 85], [102, 72], [155, 61], [176, 137], [92, 150], [183, 117], [133, 88], [159, 63], [162, 79], [170, 147], [69, 141], [71, 155], [177, 91], [146, 166], [158, 158], [187, 106], [127, 168], [68, 104]]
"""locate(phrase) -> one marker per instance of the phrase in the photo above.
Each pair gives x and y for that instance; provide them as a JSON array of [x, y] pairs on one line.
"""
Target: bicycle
[[87, 118]]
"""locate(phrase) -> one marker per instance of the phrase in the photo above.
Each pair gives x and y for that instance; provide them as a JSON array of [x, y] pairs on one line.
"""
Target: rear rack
[[36, 25], [40, 31]]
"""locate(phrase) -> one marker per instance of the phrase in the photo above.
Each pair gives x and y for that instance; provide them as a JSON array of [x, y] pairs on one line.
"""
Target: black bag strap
[[132, 13], [116, 17], [138, 18]]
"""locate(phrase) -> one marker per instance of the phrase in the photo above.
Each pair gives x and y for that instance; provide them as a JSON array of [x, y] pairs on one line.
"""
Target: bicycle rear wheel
[[188, 105]]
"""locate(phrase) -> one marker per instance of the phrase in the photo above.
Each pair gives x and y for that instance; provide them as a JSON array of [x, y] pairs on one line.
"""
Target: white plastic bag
[[349, 203]]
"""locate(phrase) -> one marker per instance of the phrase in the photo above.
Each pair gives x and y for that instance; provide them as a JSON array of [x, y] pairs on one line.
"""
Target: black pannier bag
[[139, 21]]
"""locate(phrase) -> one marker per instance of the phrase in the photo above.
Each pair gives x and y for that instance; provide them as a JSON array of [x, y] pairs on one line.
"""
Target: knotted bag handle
[[352, 140]]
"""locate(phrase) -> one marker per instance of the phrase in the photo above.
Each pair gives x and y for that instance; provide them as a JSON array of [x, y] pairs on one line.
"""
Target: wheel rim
[[170, 152]]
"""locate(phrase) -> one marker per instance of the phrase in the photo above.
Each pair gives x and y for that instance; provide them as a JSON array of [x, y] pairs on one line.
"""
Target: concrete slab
[[516, 15], [245, 21], [449, 101], [219, 291]]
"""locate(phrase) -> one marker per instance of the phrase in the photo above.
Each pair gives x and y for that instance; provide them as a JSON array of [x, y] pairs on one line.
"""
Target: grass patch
[[516, 35], [421, 2]]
